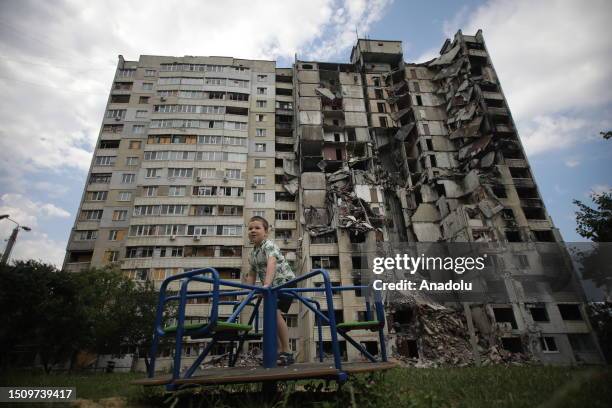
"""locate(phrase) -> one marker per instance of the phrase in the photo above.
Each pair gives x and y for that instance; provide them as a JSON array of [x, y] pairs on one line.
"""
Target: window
[[125, 196], [105, 160], [153, 173], [376, 81], [120, 99], [126, 72], [260, 147], [115, 113], [419, 100], [282, 234], [262, 78], [183, 173], [523, 261], [147, 86], [231, 230], [112, 235], [149, 72], [102, 178], [416, 86], [284, 215], [128, 178], [549, 345], [112, 129], [135, 144], [232, 174], [383, 121], [97, 195], [111, 256], [86, 235], [131, 161], [381, 107], [207, 173], [150, 191], [262, 91], [260, 163], [91, 215], [259, 197], [426, 130], [378, 94], [176, 191], [141, 113], [538, 313], [570, 311], [260, 118], [259, 180], [143, 100], [261, 104], [138, 129], [119, 215], [260, 132]]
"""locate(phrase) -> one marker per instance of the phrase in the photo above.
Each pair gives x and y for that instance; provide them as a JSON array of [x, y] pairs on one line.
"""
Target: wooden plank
[[238, 375]]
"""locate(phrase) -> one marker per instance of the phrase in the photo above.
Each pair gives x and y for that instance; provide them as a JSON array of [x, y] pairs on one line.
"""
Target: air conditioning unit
[[162, 99], [196, 237], [117, 119], [286, 240], [225, 179], [172, 237], [198, 179], [254, 185]]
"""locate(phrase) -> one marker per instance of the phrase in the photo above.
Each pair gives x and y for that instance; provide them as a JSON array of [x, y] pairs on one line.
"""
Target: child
[[270, 266]]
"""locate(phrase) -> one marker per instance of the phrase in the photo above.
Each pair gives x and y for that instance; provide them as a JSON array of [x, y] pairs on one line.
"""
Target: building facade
[[340, 158]]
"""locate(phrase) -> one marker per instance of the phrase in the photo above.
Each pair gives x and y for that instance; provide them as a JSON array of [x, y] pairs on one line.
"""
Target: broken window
[[433, 161], [512, 344], [519, 172], [383, 121], [548, 344], [426, 132], [513, 236], [381, 107], [544, 236], [428, 142], [371, 347], [538, 313], [378, 94], [407, 347], [505, 315], [331, 262], [534, 213], [120, 98], [500, 191], [413, 74], [416, 86], [324, 239], [357, 237], [570, 311], [419, 100]]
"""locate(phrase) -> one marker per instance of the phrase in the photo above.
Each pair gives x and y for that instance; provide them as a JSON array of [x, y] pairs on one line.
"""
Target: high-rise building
[[340, 157]]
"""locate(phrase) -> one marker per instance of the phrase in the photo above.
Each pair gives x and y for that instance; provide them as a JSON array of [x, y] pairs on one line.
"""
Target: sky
[[58, 59]]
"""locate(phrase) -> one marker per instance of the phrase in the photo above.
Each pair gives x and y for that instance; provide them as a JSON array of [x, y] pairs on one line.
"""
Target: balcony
[[531, 203], [515, 162], [523, 182], [77, 266]]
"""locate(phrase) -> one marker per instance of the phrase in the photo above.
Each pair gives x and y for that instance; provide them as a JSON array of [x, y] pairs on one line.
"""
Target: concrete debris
[[404, 131], [447, 58], [291, 186], [473, 149], [433, 337], [450, 71], [325, 93]]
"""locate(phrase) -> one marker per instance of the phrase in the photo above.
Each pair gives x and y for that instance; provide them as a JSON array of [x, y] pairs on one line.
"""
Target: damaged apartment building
[[348, 161]]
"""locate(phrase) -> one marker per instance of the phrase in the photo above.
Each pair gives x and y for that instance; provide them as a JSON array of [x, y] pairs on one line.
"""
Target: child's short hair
[[263, 221]]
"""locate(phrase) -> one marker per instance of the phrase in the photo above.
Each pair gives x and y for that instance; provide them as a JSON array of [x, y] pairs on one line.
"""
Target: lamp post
[[12, 238]]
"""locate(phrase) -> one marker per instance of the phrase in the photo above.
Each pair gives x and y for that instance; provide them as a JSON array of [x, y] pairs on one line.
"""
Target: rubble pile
[[439, 336]]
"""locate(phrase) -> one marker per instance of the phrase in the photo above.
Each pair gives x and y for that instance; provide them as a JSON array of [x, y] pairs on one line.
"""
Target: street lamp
[[12, 238]]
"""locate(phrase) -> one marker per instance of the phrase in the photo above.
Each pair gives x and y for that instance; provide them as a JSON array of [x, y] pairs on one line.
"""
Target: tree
[[57, 314], [595, 224]]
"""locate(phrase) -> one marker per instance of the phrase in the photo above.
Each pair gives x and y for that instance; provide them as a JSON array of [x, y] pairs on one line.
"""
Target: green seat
[[367, 325], [221, 326]]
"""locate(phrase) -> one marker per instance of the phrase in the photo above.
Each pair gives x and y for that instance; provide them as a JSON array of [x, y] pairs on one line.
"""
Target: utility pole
[[11, 241]]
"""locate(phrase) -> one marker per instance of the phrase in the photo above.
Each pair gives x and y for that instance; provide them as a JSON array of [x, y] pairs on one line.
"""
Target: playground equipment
[[230, 330]]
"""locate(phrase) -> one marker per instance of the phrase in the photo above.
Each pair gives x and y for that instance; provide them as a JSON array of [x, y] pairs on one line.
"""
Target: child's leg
[[283, 332]]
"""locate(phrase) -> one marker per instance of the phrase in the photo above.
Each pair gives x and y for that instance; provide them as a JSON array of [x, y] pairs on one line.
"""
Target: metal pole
[[9, 246]]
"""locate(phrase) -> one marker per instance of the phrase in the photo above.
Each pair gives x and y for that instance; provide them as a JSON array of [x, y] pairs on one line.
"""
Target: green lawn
[[496, 386]]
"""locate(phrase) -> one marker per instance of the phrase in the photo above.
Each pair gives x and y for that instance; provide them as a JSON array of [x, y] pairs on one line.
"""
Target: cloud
[[571, 163], [34, 244], [600, 188], [553, 60], [58, 59], [27, 212]]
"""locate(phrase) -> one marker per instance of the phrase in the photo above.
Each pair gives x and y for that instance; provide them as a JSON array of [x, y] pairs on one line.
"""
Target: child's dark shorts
[[285, 301]]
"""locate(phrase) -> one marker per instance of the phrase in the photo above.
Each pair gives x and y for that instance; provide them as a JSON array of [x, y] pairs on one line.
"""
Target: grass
[[494, 386]]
